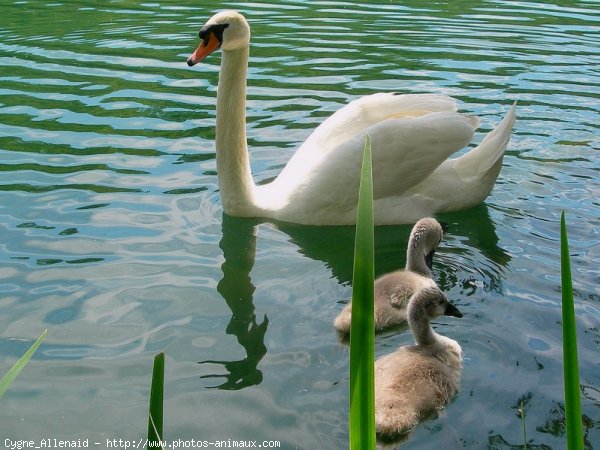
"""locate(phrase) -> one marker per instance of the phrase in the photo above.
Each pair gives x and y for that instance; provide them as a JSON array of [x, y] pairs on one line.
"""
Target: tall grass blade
[[362, 328], [571, 367], [10, 376], [155, 418]]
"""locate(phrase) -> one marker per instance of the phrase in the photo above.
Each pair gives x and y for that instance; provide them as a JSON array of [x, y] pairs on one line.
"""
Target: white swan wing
[[467, 180], [458, 183], [405, 151], [367, 111]]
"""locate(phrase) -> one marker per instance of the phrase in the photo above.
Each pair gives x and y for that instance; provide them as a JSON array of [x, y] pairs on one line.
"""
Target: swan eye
[[216, 29]]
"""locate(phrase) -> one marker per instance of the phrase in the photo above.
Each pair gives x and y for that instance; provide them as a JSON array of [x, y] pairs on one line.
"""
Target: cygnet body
[[419, 379], [393, 290]]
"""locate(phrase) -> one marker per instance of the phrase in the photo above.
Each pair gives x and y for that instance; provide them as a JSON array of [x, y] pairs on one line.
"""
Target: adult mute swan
[[417, 380], [393, 290], [412, 137]]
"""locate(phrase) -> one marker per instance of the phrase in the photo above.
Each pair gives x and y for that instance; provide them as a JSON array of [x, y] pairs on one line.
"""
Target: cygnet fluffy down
[[419, 379], [393, 290]]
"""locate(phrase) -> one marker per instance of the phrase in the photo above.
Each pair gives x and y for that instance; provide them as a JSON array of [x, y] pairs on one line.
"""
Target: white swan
[[412, 137], [393, 290], [417, 380]]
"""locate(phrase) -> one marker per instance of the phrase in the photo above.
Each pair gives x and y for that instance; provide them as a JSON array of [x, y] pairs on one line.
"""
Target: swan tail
[[487, 156]]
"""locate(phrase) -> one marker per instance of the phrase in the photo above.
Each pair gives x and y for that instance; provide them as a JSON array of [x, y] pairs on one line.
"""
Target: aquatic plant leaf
[[155, 417], [10, 376], [362, 328], [570, 363]]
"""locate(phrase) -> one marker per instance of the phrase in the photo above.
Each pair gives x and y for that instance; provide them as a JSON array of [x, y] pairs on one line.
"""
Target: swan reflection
[[239, 250]]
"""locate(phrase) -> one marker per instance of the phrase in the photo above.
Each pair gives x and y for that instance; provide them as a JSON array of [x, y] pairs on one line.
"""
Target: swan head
[[226, 30], [424, 240], [431, 302]]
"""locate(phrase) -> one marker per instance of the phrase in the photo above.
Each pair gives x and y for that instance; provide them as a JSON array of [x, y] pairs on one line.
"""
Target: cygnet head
[[227, 30], [431, 302], [424, 240]]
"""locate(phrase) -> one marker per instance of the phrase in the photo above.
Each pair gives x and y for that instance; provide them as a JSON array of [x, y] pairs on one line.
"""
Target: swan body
[[412, 137], [417, 380], [393, 290]]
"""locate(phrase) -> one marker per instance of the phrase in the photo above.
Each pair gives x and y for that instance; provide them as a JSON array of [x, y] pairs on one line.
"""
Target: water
[[113, 236]]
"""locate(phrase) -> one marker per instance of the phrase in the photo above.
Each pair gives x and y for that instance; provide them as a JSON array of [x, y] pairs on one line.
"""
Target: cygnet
[[416, 380], [393, 290]]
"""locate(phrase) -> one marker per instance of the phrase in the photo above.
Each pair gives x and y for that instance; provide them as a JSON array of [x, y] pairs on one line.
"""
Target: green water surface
[[112, 234]]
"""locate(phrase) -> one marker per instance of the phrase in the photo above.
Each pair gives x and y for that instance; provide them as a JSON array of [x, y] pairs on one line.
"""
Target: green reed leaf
[[362, 328], [571, 367], [155, 418], [10, 376]]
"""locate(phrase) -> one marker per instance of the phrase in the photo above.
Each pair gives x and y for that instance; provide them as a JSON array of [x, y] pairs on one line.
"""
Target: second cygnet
[[393, 290]]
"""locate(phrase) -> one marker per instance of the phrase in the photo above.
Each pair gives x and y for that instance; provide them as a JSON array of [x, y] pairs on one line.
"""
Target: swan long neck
[[233, 163], [421, 327]]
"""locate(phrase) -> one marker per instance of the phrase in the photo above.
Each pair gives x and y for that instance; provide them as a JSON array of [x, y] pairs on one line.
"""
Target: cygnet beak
[[453, 311]]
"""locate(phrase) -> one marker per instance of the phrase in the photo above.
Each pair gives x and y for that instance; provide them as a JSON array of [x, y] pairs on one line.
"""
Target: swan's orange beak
[[208, 45]]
